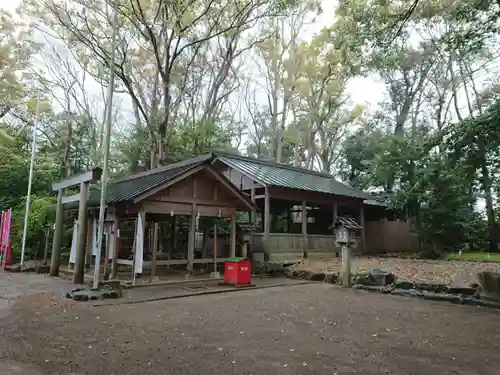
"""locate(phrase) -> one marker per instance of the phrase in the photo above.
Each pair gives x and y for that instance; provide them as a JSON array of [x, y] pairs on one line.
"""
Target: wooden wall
[[384, 236]]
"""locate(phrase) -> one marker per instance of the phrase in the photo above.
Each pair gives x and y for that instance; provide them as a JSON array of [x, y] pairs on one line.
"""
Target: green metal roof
[[270, 173], [128, 188], [262, 171]]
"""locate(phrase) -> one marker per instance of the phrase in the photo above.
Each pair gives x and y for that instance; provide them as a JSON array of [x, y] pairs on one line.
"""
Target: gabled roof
[[130, 187], [271, 173], [262, 171]]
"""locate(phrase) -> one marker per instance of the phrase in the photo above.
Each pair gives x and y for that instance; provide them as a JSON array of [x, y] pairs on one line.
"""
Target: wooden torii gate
[[84, 180]]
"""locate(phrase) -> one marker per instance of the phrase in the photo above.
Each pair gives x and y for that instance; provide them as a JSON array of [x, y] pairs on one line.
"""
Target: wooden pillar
[[154, 249], [115, 250], [206, 227], [214, 274], [233, 236], [173, 232], [46, 248], [78, 274], [191, 239], [304, 227], [253, 220], [362, 223], [335, 212], [56, 242], [253, 214], [267, 207]]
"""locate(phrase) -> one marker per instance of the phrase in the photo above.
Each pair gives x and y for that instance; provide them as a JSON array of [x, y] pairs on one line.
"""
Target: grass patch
[[475, 257]]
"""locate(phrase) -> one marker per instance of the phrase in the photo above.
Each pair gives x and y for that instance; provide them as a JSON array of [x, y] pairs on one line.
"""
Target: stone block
[[331, 278], [490, 284], [42, 268]]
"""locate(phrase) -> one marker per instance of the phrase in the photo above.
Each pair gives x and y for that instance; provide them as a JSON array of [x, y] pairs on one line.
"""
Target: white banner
[[94, 237], [72, 255], [139, 245]]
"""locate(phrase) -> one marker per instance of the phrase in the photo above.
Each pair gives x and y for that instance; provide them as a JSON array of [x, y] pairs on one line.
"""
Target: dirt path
[[305, 329]]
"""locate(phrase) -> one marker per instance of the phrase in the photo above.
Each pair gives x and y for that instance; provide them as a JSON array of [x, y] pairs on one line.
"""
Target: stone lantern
[[344, 229]]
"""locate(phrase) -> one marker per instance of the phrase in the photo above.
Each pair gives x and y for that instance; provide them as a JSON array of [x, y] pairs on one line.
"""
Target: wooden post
[[154, 249], [191, 240], [362, 223], [335, 212], [56, 242], [253, 213], [116, 249], [233, 236], [204, 241], [79, 271], [266, 213], [304, 227], [215, 274], [46, 248], [253, 219]]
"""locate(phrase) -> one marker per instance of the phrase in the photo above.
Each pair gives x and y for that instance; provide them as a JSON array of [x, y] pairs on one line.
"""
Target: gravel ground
[[440, 271], [302, 329]]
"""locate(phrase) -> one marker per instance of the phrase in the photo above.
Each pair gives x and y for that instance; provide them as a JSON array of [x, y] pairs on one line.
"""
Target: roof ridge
[[273, 164], [195, 159]]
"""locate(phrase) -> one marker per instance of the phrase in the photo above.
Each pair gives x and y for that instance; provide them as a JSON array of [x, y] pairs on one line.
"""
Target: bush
[[432, 253]]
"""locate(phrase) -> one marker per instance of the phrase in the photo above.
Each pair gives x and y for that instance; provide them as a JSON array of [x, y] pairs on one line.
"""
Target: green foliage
[[475, 257]]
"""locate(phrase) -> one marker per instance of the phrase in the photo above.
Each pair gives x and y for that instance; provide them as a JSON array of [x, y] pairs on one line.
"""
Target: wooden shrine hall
[[207, 208], [190, 192]]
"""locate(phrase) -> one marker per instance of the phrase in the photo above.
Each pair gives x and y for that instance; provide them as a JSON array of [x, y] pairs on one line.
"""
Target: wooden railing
[[294, 242]]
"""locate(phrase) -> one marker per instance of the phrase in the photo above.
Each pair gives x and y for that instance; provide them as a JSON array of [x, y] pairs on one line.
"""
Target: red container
[[237, 271]]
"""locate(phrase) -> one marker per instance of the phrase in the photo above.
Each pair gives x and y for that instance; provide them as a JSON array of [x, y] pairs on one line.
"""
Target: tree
[[16, 50]]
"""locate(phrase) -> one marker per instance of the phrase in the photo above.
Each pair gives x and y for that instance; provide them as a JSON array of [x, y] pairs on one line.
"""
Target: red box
[[237, 271]]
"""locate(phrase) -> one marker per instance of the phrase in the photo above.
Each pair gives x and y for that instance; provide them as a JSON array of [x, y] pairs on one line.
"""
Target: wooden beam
[[267, 207], [191, 239], [71, 198], [199, 201], [185, 209], [362, 223], [154, 249], [312, 197], [233, 236], [87, 177], [304, 226], [56, 243]]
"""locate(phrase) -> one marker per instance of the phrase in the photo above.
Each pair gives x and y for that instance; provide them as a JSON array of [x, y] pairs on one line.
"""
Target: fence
[[386, 236]]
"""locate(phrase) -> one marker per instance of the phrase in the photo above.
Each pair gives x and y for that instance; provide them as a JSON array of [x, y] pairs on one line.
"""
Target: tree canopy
[[268, 79]]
